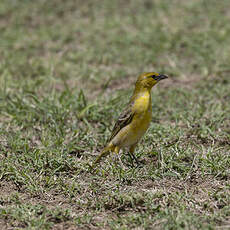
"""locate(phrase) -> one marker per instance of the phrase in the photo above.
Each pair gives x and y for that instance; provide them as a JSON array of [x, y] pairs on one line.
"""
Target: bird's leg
[[131, 151]]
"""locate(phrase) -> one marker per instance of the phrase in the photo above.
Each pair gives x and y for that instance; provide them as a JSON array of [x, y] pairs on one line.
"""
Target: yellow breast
[[141, 120], [143, 112], [133, 132], [142, 104]]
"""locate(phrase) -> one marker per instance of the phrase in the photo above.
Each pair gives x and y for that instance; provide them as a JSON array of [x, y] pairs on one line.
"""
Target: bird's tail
[[109, 148]]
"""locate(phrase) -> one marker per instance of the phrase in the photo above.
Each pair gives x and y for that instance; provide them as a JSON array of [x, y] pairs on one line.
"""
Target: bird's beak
[[161, 77]]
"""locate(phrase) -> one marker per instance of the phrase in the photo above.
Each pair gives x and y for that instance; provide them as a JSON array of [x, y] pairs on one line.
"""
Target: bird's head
[[148, 80]]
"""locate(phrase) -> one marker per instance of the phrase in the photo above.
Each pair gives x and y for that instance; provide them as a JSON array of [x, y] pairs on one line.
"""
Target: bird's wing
[[124, 119]]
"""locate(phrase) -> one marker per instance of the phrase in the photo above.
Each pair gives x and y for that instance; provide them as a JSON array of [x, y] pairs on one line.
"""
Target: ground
[[67, 69]]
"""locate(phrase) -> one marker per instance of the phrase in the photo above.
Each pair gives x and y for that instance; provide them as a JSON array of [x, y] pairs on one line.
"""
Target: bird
[[134, 121]]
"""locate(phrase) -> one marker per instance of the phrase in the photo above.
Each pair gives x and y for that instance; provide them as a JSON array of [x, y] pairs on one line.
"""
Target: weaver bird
[[135, 120]]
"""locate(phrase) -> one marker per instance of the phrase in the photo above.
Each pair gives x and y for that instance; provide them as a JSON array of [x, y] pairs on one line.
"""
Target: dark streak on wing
[[124, 119]]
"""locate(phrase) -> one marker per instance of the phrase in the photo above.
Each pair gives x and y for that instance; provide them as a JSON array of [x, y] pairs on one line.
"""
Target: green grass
[[67, 69]]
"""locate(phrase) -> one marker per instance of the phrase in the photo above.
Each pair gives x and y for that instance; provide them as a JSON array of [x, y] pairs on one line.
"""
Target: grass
[[66, 71]]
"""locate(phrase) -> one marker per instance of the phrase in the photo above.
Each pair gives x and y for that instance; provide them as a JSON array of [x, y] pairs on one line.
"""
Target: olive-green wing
[[124, 119]]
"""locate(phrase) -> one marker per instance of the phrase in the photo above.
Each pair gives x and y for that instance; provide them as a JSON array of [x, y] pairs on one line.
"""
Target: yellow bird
[[135, 120]]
